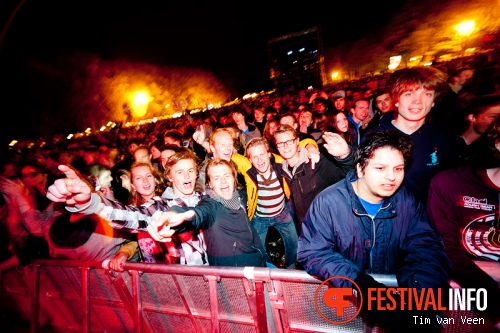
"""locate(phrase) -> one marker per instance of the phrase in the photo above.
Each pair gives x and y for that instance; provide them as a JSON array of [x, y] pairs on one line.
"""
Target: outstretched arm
[[77, 194], [159, 228], [73, 190]]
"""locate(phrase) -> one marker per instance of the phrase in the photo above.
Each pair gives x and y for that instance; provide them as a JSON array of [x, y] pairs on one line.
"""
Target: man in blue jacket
[[369, 224]]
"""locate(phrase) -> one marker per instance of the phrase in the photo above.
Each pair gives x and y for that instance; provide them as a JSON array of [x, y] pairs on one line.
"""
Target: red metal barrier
[[72, 296]]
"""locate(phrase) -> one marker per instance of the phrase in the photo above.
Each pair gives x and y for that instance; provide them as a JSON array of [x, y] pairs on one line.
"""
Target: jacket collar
[[386, 211], [302, 159]]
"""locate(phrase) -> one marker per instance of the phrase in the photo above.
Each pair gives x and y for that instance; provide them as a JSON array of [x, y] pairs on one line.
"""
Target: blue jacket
[[340, 239]]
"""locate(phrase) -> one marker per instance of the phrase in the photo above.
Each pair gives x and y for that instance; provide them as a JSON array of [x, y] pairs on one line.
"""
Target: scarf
[[233, 203]]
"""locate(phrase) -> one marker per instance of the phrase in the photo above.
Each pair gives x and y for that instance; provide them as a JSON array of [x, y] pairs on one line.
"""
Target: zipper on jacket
[[373, 244], [373, 236], [234, 254]]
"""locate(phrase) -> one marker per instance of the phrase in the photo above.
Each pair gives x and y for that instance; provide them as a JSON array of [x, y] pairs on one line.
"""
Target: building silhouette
[[297, 60]]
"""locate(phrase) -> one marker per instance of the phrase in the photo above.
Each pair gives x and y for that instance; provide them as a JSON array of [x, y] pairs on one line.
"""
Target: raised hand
[[199, 134], [335, 145], [73, 190], [312, 155], [366, 121], [10, 187], [15, 193]]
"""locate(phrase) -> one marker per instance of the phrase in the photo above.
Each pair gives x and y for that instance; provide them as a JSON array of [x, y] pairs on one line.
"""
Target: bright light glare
[[394, 62], [465, 28], [141, 98], [335, 75], [12, 143], [140, 104]]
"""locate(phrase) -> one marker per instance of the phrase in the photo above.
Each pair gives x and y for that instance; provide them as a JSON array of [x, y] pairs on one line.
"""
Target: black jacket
[[231, 240], [306, 183]]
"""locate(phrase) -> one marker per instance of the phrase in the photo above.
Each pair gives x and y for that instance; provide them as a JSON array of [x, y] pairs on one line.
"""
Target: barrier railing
[[83, 297]]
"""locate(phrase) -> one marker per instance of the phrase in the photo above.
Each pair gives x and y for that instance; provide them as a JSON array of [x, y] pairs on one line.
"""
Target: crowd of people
[[396, 174]]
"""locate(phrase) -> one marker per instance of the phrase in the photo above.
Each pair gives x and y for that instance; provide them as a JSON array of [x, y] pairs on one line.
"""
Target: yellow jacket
[[244, 165]]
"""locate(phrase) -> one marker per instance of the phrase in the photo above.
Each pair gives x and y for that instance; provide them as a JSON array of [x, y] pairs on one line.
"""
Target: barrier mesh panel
[[232, 302], [60, 297], [171, 323], [101, 286], [61, 280], [230, 327], [302, 312], [111, 319], [15, 293], [179, 302]]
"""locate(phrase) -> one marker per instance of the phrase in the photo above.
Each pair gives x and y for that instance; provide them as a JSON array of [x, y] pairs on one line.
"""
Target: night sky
[[228, 39]]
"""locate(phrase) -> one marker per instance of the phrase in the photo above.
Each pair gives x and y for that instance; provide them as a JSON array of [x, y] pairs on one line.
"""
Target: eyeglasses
[[30, 174], [286, 143]]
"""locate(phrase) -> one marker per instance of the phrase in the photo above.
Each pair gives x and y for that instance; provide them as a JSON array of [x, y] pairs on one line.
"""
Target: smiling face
[[260, 158], [414, 105], [223, 146], [221, 180], [382, 175], [287, 144], [143, 181], [183, 175]]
